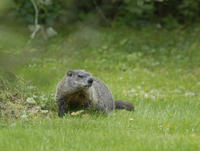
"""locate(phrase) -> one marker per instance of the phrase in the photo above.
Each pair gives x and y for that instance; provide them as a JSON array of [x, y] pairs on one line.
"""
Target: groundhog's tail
[[124, 105]]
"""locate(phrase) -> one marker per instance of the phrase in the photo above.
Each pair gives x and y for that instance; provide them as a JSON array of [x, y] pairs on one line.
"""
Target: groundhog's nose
[[90, 81]]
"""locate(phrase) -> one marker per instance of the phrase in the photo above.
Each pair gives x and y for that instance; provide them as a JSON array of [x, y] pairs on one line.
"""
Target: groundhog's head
[[77, 80]]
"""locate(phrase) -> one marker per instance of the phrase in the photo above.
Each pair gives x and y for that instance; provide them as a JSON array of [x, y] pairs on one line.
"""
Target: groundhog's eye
[[80, 76], [69, 73]]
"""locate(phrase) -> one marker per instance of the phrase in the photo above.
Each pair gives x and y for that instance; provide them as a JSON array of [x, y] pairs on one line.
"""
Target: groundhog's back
[[103, 95]]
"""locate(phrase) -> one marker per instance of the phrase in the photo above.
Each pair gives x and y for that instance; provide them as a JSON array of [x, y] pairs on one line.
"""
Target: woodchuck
[[80, 90]]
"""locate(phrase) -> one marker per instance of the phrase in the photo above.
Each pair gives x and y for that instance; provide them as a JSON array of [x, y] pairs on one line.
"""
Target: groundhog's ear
[[69, 73]]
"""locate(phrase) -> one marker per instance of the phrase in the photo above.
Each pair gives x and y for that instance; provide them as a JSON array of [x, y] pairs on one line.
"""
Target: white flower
[[132, 90], [146, 95], [189, 94], [44, 111], [30, 100]]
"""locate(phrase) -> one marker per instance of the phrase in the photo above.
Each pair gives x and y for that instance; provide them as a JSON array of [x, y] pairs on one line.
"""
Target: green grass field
[[158, 70]]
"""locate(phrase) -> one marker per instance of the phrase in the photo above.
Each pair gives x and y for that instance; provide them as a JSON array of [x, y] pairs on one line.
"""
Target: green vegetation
[[130, 12], [154, 68]]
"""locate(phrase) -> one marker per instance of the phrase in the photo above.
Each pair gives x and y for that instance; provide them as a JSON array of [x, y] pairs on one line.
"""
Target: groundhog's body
[[78, 89]]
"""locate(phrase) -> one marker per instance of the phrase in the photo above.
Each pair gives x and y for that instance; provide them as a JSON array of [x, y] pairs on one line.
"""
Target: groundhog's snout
[[90, 81]]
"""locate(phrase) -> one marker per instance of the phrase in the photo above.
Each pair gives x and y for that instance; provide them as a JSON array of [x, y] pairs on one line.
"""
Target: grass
[[155, 69]]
